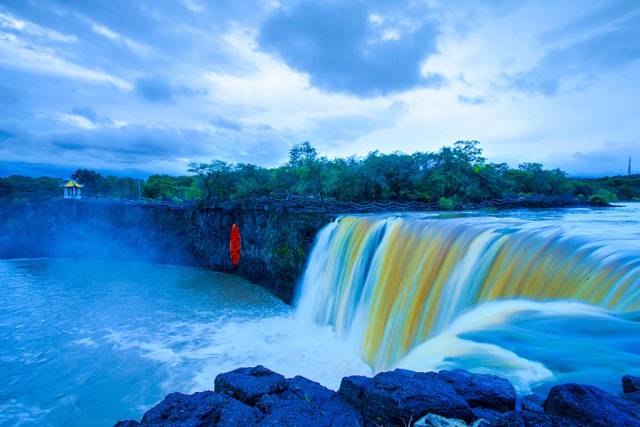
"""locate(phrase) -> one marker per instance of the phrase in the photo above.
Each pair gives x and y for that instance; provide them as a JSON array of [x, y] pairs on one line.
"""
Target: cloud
[[76, 120], [224, 123], [35, 58], [347, 47], [154, 89], [612, 45], [86, 112], [160, 89], [136, 47], [154, 149], [10, 22], [472, 100]]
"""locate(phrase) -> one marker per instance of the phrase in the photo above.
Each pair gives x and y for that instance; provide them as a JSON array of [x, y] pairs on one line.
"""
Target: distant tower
[[629, 167]]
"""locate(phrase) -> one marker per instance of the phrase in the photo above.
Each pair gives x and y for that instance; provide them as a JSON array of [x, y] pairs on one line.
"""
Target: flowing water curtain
[[391, 283]]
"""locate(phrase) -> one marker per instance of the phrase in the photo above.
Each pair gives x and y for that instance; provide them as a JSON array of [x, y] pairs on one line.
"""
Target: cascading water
[[391, 283]]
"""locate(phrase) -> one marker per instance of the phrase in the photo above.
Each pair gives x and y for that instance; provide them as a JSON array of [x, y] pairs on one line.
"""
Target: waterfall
[[390, 283]]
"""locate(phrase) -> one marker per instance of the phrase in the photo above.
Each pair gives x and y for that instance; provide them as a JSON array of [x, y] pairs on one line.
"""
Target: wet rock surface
[[630, 384], [533, 402], [260, 397], [532, 419], [589, 405], [249, 384], [480, 390], [207, 408], [401, 397]]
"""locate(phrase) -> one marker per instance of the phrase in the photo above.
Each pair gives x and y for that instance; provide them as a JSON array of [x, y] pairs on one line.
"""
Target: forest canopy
[[453, 176]]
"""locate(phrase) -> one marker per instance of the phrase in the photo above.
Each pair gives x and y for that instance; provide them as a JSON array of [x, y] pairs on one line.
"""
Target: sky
[[141, 87]]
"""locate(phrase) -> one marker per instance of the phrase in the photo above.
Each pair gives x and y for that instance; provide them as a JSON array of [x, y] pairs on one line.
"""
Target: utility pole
[[629, 167]]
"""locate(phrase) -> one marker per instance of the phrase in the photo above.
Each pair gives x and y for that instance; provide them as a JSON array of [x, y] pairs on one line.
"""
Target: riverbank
[[260, 397]]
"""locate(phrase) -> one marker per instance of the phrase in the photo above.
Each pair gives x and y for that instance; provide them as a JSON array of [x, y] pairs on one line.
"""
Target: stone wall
[[275, 243]]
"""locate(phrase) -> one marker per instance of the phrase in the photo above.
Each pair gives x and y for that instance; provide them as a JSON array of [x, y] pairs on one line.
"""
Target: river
[[536, 296]]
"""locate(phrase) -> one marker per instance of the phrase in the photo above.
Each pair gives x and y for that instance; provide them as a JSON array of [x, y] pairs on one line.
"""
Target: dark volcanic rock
[[591, 406], [249, 384], [200, 409], [485, 414], [532, 419], [400, 397], [533, 402], [482, 391], [630, 384], [433, 420], [307, 403], [633, 397]]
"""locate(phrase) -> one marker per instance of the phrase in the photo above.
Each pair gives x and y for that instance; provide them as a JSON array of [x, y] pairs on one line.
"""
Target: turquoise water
[[91, 342], [86, 342]]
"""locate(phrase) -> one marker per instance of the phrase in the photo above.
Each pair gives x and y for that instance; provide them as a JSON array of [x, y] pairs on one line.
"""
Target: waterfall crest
[[390, 283]]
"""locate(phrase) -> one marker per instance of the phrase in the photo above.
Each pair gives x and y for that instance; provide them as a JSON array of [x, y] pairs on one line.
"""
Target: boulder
[[591, 406], [633, 397], [531, 419], [481, 390], [200, 409], [485, 414], [630, 384], [306, 400], [249, 384], [401, 397], [532, 402], [433, 420], [127, 423]]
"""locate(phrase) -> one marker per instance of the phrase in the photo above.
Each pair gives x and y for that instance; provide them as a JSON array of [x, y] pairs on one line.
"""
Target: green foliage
[[446, 204], [602, 197], [453, 177], [96, 185], [301, 154], [215, 178], [22, 188], [175, 189]]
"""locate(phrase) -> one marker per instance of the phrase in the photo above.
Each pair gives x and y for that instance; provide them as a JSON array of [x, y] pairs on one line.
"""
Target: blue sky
[[147, 86]]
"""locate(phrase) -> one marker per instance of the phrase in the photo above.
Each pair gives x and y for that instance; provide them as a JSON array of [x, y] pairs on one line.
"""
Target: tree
[[301, 154], [215, 178], [93, 182]]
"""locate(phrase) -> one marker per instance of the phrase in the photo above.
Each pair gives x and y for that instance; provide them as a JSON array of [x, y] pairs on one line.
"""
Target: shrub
[[446, 203], [602, 197]]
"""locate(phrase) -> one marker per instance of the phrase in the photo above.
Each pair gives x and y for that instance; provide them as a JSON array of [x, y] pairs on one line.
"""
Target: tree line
[[453, 176]]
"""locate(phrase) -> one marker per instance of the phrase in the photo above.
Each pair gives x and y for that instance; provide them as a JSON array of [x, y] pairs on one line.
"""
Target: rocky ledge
[[260, 397]]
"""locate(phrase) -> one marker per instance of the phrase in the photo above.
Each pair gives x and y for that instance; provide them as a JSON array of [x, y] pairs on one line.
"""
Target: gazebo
[[72, 190]]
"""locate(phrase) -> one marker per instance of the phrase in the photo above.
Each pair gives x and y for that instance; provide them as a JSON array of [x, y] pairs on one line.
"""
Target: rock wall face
[[275, 243]]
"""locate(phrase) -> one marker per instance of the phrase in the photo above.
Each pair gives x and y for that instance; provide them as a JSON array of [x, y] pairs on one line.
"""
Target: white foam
[[435, 353], [281, 343]]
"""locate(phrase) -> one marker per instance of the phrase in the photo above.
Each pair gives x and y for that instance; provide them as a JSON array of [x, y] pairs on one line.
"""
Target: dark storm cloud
[[616, 43], [354, 47]]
